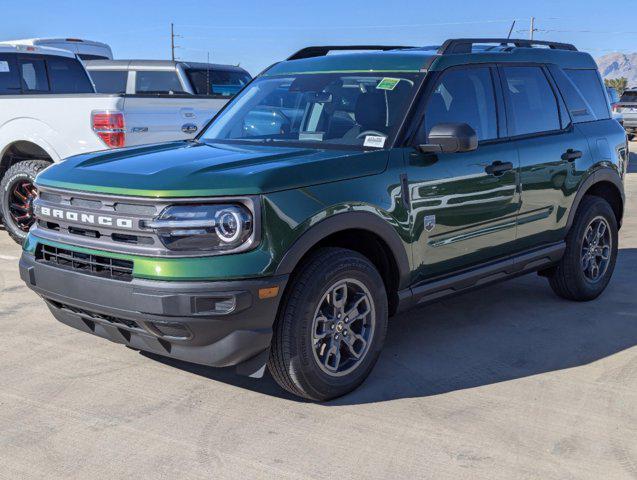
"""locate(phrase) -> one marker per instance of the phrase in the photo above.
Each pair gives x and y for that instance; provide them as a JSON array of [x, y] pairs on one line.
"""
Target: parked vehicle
[[613, 99], [84, 49], [50, 111], [163, 77], [627, 106], [383, 180]]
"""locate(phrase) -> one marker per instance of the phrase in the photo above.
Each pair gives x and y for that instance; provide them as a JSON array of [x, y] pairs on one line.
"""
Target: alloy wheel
[[21, 197], [343, 327], [596, 249]]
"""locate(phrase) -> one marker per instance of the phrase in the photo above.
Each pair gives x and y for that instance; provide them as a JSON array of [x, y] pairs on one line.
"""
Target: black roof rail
[[465, 45], [321, 51]]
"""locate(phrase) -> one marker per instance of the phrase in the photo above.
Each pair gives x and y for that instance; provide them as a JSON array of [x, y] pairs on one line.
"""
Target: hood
[[188, 169]]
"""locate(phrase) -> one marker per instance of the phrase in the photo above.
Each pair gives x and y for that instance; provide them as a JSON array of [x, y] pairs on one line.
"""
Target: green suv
[[331, 193]]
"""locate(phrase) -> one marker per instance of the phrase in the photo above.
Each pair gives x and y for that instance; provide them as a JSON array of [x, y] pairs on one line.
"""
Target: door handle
[[498, 168], [571, 155]]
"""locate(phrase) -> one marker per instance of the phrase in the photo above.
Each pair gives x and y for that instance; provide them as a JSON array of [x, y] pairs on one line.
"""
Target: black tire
[[294, 359], [21, 173], [568, 279]]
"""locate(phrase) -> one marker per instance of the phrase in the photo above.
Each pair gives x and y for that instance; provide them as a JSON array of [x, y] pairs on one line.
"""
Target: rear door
[[463, 205], [550, 150]]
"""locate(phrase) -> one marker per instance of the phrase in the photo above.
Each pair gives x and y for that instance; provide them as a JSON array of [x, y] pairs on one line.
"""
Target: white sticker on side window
[[374, 141], [4, 67]]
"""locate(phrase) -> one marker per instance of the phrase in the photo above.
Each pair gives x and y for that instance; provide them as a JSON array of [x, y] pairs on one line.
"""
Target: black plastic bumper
[[210, 323]]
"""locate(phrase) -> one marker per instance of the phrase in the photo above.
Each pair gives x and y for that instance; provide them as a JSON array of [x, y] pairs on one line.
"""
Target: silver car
[[627, 106]]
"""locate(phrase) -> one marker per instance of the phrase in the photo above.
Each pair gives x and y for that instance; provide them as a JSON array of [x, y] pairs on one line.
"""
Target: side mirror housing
[[450, 138]]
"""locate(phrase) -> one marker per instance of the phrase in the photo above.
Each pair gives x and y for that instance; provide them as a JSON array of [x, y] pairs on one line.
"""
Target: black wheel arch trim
[[604, 174], [348, 221]]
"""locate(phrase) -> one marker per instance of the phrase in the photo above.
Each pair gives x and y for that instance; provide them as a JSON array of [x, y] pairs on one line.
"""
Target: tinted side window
[[590, 86], [576, 104], [629, 96], [531, 101], [33, 75], [217, 82], [158, 82], [9, 77], [67, 76], [464, 96], [110, 81]]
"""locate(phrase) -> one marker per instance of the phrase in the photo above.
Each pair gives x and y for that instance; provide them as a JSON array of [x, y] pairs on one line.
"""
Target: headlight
[[203, 228]]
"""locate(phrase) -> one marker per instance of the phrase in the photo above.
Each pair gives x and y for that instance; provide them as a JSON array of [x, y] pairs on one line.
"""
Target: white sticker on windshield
[[374, 141], [4, 67]]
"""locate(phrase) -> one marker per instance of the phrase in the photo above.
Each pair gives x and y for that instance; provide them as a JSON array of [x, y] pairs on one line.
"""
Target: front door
[[463, 205]]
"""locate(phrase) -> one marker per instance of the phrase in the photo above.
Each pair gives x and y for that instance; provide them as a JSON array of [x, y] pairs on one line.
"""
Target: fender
[[604, 174], [32, 131], [347, 221]]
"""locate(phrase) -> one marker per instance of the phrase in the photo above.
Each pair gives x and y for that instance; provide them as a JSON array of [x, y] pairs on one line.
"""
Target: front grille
[[95, 265], [86, 230]]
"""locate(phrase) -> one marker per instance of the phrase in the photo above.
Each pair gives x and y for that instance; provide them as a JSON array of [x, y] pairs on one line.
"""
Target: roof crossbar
[[321, 51], [465, 45]]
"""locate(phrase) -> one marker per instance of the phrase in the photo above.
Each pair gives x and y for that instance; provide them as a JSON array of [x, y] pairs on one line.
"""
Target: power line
[[349, 27]]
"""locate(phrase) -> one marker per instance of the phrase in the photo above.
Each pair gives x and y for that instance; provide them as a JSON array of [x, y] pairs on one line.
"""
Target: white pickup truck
[[49, 111]]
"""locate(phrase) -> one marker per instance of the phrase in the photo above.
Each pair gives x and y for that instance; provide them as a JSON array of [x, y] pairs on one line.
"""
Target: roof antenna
[[511, 30]]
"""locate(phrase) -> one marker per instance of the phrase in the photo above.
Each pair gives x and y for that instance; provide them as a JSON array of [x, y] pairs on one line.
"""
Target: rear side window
[[464, 96], [531, 102], [68, 76], [9, 77], [217, 82], [158, 82], [110, 81], [590, 86], [33, 75], [629, 96]]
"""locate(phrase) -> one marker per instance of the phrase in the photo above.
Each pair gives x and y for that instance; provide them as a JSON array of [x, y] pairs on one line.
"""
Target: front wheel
[[591, 251], [18, 192], [331, 326]]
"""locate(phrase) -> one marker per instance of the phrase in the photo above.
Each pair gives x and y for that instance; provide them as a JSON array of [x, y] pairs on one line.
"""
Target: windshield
[[217, 82], [320, 110]]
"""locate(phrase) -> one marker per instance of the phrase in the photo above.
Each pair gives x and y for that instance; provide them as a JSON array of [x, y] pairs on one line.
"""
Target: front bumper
[[188, 321]]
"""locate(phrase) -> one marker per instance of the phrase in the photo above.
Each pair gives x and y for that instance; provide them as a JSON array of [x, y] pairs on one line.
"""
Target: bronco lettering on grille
[[86, 218]]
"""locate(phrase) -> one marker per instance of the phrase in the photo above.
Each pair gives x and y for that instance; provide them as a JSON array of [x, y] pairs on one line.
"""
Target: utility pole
[[172, 41], [532, 29]]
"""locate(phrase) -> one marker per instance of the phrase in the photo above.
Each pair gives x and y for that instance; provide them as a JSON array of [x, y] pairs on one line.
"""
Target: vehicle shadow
[[502, 332]]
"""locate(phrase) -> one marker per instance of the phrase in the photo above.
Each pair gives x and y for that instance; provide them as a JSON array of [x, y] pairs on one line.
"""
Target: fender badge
[[430, 222]]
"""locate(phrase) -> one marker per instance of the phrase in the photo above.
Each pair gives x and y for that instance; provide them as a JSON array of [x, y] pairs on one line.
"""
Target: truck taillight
[[616, 108], [109, 126]]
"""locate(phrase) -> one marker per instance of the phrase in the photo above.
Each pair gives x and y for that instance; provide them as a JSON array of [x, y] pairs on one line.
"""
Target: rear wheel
[[18, 193], [591, 251], [331, 326]]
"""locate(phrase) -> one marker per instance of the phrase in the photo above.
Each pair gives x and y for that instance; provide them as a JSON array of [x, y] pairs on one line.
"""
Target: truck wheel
[[591, 251], [18, 192], [331, 326]]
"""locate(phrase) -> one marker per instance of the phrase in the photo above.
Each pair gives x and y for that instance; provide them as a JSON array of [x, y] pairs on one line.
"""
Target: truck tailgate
[[154, 119]]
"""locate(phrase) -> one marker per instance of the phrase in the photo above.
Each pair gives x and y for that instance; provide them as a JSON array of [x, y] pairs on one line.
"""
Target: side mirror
[[450, 138]]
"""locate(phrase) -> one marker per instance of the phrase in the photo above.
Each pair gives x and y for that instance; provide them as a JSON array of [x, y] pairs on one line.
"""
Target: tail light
[[109, 126], [616, 108]]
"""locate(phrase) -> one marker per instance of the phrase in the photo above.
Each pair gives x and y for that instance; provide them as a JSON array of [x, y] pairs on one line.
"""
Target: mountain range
[[616, 65]]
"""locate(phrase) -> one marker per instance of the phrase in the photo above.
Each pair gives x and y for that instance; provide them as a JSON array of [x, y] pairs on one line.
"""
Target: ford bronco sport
[[331, 193]]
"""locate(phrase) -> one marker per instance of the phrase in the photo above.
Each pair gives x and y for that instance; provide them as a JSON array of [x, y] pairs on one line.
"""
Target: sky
[[256, 33]]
